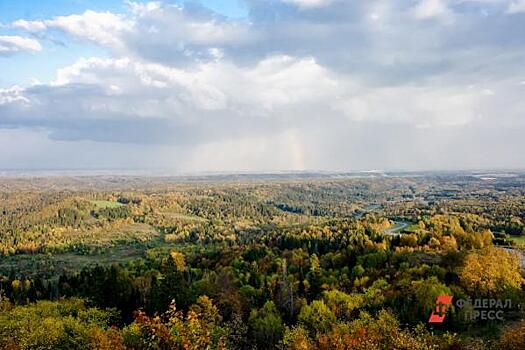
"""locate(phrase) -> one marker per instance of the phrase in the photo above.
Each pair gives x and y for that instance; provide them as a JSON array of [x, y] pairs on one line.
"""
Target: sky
[[262, 85]]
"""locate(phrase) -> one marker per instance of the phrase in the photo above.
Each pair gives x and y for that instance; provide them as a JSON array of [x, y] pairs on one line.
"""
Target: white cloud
[[10, 44], [105, 28], [217, 98], [274, 85], [309, 3], [516, 6], [29, 26], [12, 95], [431, 9], [143, 30], [139, 8], [102, 27]]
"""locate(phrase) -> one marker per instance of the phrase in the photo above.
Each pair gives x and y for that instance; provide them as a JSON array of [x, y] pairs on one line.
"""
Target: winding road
[[397, 228]]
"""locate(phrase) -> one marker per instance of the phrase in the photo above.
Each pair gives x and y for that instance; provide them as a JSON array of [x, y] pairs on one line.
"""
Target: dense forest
[[261, 262]]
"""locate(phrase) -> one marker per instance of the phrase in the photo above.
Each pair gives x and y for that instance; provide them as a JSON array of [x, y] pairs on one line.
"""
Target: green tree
[[266, 326], [317, 316], [426, 292]]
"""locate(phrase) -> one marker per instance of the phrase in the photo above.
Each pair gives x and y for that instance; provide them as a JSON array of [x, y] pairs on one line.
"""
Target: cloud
[[11, 44], [517, 6], [29, 26], [154, 103], [143, 30], [104, 28], [129, 101], [305, 84], [309, 3], [431, 9]]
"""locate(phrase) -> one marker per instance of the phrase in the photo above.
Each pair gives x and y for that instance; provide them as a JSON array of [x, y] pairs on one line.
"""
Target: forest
[[297, 261]]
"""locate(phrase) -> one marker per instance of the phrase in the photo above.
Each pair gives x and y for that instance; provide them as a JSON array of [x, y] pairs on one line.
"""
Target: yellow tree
[[178, 260], [491, 271]]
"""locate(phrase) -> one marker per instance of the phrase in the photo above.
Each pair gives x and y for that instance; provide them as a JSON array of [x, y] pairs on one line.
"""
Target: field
[[106, 204], [519, 240]]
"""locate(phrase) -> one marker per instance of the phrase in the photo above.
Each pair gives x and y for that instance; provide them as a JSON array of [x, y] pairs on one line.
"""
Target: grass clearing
[[412, 228], [519, 240], [53, 265], [107, 204]]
